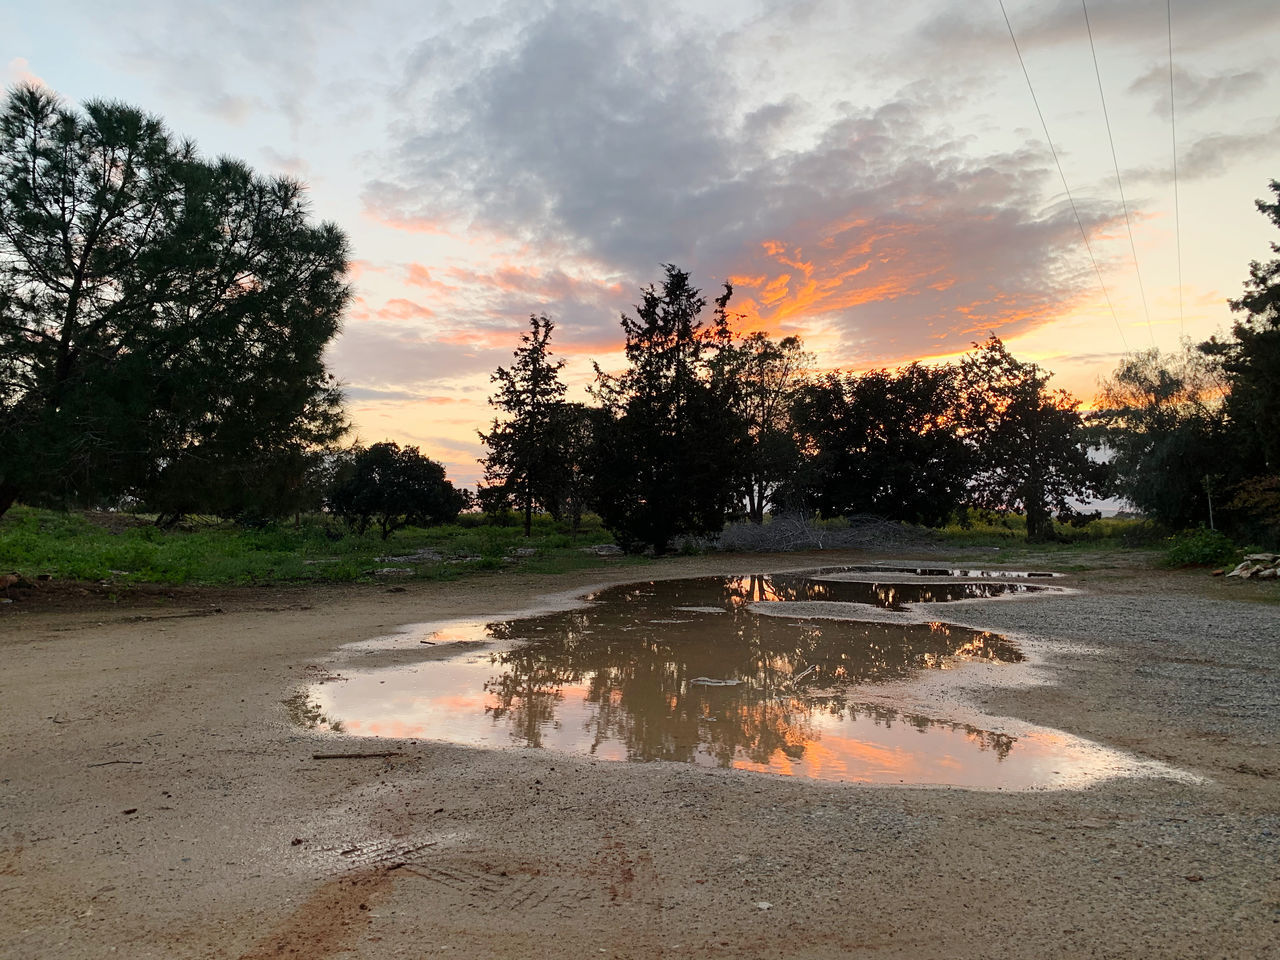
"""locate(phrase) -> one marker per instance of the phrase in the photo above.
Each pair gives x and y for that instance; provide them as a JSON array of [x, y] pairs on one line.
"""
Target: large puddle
[[693, 671]]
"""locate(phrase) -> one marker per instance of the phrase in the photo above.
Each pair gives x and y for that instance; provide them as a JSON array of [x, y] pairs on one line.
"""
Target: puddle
[[688, 671], [851, 585], [958, 572]]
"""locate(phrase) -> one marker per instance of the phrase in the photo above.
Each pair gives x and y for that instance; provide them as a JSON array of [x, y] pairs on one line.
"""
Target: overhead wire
[[1177, 214], [1133, 247], [1080, 223]]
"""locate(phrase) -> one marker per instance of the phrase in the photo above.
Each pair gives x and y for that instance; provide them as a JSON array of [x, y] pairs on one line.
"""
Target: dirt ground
[[155, 801]]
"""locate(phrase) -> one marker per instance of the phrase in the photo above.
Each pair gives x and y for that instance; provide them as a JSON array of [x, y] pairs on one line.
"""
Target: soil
[[156, 800]]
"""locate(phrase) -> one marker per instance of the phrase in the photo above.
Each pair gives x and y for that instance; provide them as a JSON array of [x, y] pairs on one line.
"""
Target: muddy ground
[[155, 801]]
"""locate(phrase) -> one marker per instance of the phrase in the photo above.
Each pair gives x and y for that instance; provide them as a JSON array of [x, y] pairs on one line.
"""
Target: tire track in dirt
[[329, 920]]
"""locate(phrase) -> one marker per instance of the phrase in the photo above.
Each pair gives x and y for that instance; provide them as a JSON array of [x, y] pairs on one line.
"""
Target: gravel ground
[[155, 801]]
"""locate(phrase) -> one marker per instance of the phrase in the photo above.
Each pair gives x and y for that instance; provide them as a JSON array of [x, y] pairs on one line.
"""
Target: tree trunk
[[8, 496], [528, 517], [1039, 520]]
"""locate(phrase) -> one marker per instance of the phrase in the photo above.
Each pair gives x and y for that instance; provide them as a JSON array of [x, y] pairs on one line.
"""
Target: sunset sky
[[871, 176]]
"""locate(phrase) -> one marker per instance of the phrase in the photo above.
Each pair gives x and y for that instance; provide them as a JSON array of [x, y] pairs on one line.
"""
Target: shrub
[[1198, 548]]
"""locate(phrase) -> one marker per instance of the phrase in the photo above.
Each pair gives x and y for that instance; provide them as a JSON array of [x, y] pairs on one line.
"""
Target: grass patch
[[1011, 530], [126, 549]]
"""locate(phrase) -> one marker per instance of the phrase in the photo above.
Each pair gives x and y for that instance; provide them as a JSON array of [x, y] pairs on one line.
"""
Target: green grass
[[1011, 530], [126, 549]]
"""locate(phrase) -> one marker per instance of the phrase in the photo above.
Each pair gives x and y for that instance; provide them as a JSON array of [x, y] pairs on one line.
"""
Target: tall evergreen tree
[[1252, 358], [525, 461], [665, 455]]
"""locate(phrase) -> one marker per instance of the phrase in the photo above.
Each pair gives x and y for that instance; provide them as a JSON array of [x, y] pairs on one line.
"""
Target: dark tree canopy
[[162, 317], [759, 378], [885, 442], [1029, 443], [665, 451], [1163, 420], [394, 487], [1252, 358]]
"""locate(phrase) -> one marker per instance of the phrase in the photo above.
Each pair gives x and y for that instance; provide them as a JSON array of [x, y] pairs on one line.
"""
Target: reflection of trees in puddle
[[638, 667], [892, 596], [306, 713]]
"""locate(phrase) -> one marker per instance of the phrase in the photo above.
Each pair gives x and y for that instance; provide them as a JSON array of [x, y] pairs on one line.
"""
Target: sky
[[872, 177]]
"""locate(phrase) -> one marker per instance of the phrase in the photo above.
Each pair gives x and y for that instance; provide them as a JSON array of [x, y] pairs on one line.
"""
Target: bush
[[1199, 548]]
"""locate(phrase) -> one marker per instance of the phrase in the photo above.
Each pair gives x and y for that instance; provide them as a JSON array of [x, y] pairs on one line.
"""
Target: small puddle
[[687, 670]]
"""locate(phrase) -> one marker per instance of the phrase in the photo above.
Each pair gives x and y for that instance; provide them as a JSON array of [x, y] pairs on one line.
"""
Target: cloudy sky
[[874, 177]]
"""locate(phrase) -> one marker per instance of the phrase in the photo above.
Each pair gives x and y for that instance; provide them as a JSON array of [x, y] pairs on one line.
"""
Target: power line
[[1080, 223], [1133, 247], [1177, 215]]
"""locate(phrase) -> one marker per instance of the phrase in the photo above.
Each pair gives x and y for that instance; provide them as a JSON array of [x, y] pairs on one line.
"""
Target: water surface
[[689, 671]]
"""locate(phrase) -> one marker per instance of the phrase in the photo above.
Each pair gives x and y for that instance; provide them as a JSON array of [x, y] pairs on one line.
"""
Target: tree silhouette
[[527, 450], [1030, 444], [1252, 358], [885, 442], [162, 318], [394, 487], [666, 445], [760, 377], [1164, 420]]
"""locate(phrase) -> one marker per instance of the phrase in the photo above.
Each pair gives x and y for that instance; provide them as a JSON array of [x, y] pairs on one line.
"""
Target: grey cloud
[[371, 393], [1212, 154], [966, 30], [376, 356], [457, 446], [1193, 90], [238, 57], [594, 137]]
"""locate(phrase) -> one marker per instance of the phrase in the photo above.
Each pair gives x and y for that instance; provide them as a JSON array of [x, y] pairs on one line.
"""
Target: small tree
[[524, 461], [394, 487], [574, 429], [1030, 446]]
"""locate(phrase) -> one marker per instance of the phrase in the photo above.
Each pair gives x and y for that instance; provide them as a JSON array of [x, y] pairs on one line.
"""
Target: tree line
[[705, 425], [164, 317]]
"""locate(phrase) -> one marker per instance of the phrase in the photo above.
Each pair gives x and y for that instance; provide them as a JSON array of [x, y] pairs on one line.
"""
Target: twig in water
[[107, 763]]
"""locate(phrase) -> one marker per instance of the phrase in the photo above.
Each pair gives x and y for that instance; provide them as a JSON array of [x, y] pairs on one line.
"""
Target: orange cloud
[[18, 71]]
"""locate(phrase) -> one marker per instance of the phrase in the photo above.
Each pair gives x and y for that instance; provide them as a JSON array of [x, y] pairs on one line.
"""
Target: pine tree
[[525, 459], [665, 463]]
